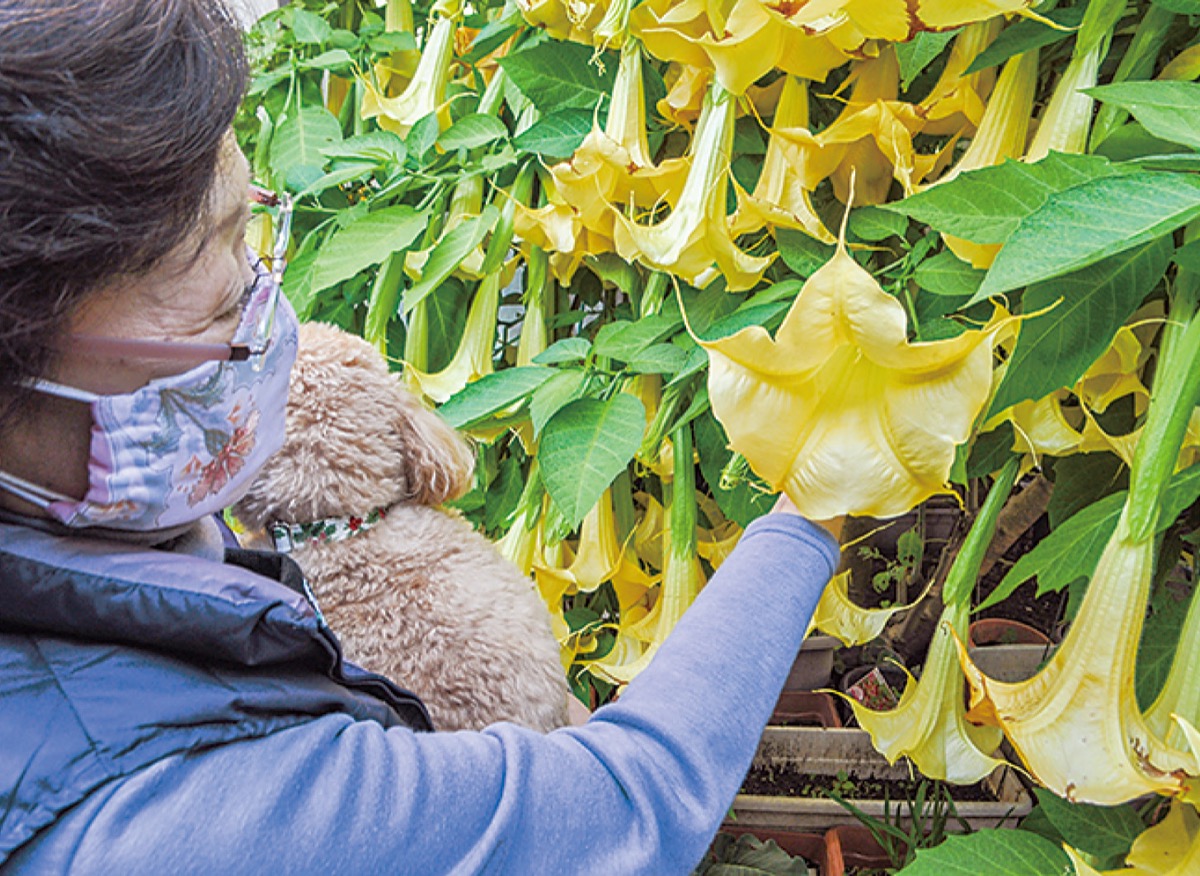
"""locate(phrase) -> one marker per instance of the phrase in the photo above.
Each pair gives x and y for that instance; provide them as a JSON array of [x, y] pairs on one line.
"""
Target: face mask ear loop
[[69, 392], [30, 492]]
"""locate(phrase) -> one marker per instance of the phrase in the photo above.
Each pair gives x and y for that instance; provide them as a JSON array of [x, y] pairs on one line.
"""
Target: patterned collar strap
[[289, 536]]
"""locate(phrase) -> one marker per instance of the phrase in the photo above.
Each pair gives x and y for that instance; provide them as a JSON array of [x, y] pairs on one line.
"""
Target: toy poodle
[[414, 593]]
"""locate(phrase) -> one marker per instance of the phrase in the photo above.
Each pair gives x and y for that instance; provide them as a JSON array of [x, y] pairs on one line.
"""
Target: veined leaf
[[310, 28], [1025, 35], [873, 224], [1055, 349], [566, 350], [471, 132], [1168, 110], [1089, 222], [919, 52], [987, 205], [366, 242], [1072, 550], [301, 138], [556, 135], [558, 75], [584, 447], [1103, 831], [623, 340], [549, 398], [804, 254], [492, 393], [449, 253], [995, 851], [947, 275]]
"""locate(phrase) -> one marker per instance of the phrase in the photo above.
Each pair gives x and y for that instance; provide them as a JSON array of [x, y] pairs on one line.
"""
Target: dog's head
[[357, 439]]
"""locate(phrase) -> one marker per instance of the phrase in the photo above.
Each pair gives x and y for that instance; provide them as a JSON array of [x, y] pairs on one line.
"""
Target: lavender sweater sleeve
[[640, 789]]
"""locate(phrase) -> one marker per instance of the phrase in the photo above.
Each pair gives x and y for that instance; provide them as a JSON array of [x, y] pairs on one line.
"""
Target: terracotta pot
[[1002, 631], [806, 708], [809, 846], [851, 846]]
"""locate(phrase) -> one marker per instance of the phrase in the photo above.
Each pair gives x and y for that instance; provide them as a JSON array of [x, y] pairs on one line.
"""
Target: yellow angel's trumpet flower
[[695, 242], [425, 94], [1076, 724], [839, 616], [928, 725], [955, 104], [399, 66], [683, 577], [539, 296], [598, 553], [779, 197], [1002, 133], [839, 410], [473, 358], [1066, 123], [613, 164], [572, 20], [871, 138]]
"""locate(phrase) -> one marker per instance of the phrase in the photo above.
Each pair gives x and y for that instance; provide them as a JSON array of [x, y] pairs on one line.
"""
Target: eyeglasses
[[259, 309]]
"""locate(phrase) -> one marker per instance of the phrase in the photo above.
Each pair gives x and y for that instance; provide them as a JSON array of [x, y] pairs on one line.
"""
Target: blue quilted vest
[[112, 658]]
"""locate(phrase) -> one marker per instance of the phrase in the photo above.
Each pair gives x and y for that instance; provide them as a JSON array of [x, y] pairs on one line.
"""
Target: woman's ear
[[437, 462]]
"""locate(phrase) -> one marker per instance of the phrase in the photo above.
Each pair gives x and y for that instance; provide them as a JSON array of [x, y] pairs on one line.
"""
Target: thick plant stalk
[[1137, 63]]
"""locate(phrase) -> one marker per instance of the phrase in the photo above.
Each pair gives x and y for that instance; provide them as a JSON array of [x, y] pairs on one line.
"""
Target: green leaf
[[423, 136], [919, 52], [990, 451], [1025, 35], [874, 224], [801, 253], [301, 139], [1087, 308], [1166, 109], [380, 146], [1072, 549], [1092, 221], [987, 205], [623, 340], [1184, 7], [585, 446], [747, 855], [1103, 831], [492, 393], [658, 359], [309, 28], [471, 132], [994, 851], [1156, 650], [549, 398], [947, 275], [366, 242], [556, 135], [566, 350], [446, 314], [297, 283], [332, 60], [611, 268], [557, 75], [449, 253]]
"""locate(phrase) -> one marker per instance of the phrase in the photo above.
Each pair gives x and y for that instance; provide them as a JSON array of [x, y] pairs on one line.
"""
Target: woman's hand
[[834, 524]]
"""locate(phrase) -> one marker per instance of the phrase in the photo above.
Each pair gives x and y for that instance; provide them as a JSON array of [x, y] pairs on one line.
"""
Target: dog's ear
[[438, 462]]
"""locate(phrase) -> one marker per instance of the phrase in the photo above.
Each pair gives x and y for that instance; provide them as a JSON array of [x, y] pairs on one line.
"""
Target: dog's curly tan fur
[[421, 598]]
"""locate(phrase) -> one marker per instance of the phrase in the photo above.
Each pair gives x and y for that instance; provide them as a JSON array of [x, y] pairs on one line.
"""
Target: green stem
[[963, 574], [502, 237], [683, 495], [1175, 394], [1137, 63], [654, 294]]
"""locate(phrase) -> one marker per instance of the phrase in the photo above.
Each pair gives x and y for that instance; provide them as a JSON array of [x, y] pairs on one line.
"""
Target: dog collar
[[289, 536]]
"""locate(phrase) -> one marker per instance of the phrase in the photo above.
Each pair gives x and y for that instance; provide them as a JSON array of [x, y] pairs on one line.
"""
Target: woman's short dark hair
[[112, 117]]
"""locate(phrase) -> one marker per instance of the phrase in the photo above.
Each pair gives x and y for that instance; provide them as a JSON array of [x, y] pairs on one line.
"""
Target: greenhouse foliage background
[[666, 258]]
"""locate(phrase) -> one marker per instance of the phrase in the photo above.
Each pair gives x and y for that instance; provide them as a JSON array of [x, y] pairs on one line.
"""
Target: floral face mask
[[184, 446]]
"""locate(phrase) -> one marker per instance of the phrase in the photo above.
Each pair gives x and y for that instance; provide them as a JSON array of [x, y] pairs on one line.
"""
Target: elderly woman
[[172, 706]]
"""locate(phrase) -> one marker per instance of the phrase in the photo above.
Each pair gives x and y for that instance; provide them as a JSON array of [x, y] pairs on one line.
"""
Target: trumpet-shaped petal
[[598, 554], [1076, 724], [426, 92], [839, 616], [839, 410], [928, 725], [697, 235], [779, 197], [1067, 120], [871, 139], [473, 358], [956, 102]]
